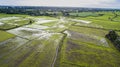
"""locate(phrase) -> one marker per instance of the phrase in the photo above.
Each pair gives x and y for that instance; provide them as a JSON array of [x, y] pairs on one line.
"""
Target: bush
[[114, 38]]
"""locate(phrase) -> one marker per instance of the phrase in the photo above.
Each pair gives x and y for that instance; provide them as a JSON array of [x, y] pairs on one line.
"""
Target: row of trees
[[47, 11], [114, 38]]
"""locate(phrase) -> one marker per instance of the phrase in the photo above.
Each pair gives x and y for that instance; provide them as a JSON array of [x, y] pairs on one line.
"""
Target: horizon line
[[59, 6]]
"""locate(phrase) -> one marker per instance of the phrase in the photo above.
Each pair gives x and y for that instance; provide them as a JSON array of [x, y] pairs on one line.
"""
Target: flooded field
[[54, 42]]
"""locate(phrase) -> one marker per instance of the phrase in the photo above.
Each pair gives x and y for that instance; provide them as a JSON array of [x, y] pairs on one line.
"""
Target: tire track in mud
[[58, 49]]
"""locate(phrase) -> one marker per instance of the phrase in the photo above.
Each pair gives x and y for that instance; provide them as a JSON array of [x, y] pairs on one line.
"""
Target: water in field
[[8, 18], [39, 43], [1, 23]]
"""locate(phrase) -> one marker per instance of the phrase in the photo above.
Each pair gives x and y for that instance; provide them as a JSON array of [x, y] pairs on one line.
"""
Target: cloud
[[69, 3]]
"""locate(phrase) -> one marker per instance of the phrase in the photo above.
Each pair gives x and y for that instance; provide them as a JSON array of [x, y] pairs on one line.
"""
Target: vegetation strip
[[58, 49]]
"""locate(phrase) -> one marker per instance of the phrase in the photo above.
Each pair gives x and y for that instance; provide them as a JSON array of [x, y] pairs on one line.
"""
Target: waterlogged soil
[[1, 23], [81, 21], [22, 53], [37, 26], [34, 46], [88, 38], [8, 18], [13, 42], [81, 54], [39, 21], [31, 44], [28, 33]]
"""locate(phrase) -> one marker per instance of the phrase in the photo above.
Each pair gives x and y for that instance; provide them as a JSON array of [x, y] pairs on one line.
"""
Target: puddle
[[8, 18], [1, 23], [41, 21], [61, 26], [14, 42], [67, 32], [20, 20], [37, 26], [30, 33], [81, 21], [104, 42]]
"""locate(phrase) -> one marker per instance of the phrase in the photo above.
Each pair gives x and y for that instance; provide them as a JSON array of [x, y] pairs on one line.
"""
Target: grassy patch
[[84, 14], [86, 55], [102, 21], [13, 24], [2, 15], [50, 24], [4, 36], [91, 31], [39, 51]]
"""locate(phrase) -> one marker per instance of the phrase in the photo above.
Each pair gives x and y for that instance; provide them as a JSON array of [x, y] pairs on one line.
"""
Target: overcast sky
[[65, 3]]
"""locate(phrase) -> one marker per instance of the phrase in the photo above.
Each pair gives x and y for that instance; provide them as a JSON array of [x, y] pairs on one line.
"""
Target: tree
[[114, 38], [112, 35]]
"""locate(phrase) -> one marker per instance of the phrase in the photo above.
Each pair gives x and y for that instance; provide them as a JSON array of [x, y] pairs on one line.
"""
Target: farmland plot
[[30, 45], [12, 22], [41, 51], [4, 36], [79, 50], [61, 42]]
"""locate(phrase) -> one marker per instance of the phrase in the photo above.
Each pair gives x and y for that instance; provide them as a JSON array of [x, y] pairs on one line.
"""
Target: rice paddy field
[[58, 41]]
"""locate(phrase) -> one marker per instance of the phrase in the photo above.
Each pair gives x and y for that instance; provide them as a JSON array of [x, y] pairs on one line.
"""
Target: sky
[[64, 3]]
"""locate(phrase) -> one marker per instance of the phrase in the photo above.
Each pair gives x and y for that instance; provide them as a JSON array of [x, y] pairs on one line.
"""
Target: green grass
[[50, 24], [90, 31], [4, 36], [104, 21], [13, 24], [43, 56], [2, 15], [38, 52], [86, 55], [101, 22], [46, 17], [84, 14], [108, 24], [83, 48]]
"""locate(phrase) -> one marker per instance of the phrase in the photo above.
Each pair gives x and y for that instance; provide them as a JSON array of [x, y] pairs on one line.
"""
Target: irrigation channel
[[58, 49]]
